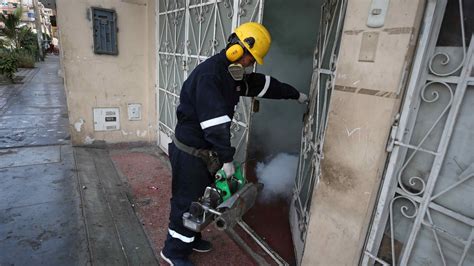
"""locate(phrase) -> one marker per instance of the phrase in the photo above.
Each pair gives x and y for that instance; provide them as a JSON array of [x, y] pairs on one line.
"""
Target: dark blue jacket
[[208, 99]]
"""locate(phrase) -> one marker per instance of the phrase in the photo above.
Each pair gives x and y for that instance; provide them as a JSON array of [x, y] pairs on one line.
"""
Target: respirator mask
[[237, 71]]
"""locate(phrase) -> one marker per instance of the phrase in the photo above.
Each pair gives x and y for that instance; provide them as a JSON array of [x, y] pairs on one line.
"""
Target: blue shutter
[[104, 31]]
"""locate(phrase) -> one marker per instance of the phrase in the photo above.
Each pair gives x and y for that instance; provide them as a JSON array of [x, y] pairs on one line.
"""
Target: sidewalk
[[59, 205], [40, 216]]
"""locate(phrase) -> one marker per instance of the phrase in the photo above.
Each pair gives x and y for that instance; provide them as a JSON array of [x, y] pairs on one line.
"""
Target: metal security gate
[[188, 32], [425, 212], [324, 65]]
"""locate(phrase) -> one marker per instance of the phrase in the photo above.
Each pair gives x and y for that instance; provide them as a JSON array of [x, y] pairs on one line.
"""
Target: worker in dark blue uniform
[[201, 145]]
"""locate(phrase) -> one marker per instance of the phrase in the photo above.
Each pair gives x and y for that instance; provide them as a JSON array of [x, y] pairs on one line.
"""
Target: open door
[[312, 136]]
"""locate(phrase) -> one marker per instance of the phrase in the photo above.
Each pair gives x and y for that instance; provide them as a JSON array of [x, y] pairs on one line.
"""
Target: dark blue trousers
[[190, 178]]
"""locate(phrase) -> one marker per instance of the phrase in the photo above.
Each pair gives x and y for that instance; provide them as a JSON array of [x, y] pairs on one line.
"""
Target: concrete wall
[[366, 98], [94, 80]]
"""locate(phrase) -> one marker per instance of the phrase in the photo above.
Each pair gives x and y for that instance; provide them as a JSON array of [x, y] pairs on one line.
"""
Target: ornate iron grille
[[424, 213], [190, 31]]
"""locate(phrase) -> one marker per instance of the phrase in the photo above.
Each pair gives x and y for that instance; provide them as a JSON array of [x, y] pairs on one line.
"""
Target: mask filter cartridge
[[236, 71]]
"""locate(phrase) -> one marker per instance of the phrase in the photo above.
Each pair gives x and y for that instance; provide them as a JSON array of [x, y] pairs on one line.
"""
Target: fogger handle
[[222, 173]]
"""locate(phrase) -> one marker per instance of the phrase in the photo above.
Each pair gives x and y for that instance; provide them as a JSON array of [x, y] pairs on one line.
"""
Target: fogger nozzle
[[237, 205]]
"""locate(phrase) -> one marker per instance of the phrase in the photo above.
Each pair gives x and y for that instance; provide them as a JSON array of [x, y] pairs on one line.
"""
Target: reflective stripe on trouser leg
[[190, 179], [179, 236]]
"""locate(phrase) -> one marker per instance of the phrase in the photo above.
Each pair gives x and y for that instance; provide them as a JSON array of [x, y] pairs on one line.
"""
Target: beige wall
[[105, 80], [366, 98]]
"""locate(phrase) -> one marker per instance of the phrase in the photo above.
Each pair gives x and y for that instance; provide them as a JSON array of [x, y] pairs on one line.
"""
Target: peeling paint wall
[[368, 90], [93, 80]]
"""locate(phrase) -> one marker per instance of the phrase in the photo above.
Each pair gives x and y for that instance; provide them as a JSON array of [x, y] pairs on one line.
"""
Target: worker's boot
[[176, 261], [201, 245]]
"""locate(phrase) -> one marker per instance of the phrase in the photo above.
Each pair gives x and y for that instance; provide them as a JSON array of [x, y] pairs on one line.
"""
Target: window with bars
[[104, 26]]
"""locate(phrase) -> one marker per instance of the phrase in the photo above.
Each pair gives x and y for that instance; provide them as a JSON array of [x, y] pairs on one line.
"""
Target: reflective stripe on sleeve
[[179, 236], [215, 121], [265, 87]]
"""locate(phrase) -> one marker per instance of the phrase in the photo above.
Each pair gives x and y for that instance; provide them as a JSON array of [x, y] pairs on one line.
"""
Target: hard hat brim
[[259, 60]]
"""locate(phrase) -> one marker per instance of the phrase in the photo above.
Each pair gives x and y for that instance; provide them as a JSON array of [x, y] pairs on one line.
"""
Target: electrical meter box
[[134, 111], [106, 119]]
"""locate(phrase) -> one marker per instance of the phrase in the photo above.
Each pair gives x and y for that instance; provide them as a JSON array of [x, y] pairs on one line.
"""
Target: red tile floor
[[149, 177]]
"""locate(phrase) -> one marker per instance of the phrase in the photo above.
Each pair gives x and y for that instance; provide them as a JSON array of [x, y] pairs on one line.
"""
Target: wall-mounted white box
[[106, 119], [134, 111]]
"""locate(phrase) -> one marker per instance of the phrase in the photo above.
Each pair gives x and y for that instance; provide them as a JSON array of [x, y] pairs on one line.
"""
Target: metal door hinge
[[393, 134], [255, 105]]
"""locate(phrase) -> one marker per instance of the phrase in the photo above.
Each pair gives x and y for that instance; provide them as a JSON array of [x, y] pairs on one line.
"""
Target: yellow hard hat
[[256, 38]]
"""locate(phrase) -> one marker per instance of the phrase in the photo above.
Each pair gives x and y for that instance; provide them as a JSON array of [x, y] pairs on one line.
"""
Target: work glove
[[229, 169], [303, 98]]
